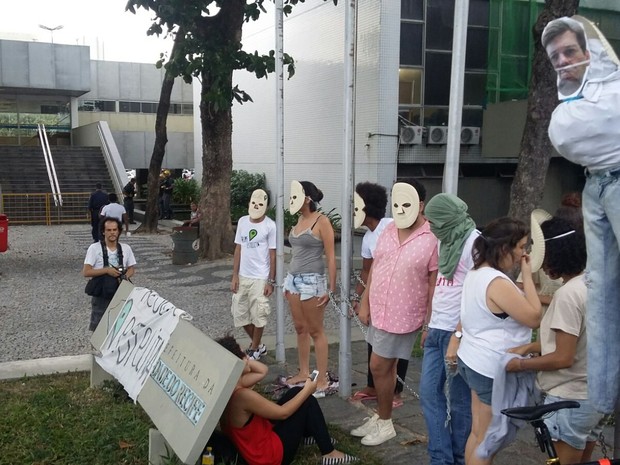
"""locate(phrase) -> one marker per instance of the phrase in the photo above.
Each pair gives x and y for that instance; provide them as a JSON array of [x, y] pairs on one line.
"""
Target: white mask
[[405, 204], [297, 198], [258, 204], [359, 215]]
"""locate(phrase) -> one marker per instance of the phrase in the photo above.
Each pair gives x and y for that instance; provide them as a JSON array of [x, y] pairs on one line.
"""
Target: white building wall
[[314, 105]]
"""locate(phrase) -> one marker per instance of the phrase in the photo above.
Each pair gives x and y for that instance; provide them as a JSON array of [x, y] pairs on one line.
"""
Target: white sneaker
[[367, 427], [262, 350], [383, 431]]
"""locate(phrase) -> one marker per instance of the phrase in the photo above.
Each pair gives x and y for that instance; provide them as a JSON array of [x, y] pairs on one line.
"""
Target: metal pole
[[346, 251], [455, 115], [280, 349]]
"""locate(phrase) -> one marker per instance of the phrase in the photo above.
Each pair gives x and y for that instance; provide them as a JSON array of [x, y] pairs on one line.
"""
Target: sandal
[[338, 460], [361, 395]]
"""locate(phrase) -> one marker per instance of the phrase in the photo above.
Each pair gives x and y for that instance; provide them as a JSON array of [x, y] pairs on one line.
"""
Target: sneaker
[[262, 350], [383, 431], [336, 461], [367, 427], [252, 354]]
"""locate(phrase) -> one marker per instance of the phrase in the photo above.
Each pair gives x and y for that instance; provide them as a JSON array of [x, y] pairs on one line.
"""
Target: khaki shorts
[[249, 304]]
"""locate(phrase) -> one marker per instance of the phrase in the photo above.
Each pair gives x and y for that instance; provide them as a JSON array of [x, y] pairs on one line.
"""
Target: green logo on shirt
[[253, 233]]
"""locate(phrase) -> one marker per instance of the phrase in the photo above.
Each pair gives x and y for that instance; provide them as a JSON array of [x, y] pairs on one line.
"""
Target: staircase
[[25, 186]]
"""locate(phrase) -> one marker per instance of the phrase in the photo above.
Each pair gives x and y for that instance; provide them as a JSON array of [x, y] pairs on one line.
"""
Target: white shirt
[[114, 210], [255, 240], [94, 256], [447, 297], [369, 241]]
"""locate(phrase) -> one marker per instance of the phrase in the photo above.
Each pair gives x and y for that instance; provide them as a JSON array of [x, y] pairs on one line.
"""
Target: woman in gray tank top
[[306, 285]]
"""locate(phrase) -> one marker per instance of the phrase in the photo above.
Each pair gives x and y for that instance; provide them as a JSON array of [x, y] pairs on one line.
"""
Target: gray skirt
[[390, 345]]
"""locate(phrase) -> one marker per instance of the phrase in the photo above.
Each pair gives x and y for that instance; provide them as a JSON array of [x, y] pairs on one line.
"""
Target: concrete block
[[98, 375], [159, 449]]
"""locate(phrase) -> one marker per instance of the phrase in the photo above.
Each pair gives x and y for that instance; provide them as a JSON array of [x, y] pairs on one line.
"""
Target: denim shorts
[[574, 426], [307, 285], [478, 383]]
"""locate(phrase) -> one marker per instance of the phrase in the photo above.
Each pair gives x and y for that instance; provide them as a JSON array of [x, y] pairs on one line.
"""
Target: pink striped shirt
[[399, 286]]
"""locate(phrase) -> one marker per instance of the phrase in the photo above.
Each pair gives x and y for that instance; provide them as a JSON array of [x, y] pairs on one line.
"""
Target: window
[[409, 86], [97, 105], [437, 83], [412, 9], [478, 13], [411, 43], [188, 109], [149, 108], [439, 24], [474, 91], [412, 115], [129, 107], [476, 54]]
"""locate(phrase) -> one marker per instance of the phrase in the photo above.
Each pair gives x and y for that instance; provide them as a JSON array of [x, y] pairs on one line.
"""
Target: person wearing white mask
[[254, 270], [397, 298], [306, 286]]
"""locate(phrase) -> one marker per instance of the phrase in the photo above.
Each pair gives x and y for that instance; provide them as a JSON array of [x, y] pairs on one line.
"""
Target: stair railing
[[49, 163]]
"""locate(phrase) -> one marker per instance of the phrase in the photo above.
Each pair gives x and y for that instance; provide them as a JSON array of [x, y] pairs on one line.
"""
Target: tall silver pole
[[280, 349], [346, 252], [455, 115]]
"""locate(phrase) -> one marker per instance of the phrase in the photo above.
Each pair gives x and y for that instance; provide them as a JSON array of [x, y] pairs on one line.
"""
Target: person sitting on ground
[[562, 366], [194, 216], [269, 433]]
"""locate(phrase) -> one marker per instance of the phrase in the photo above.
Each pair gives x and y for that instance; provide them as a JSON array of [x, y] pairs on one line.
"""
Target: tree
[[536, 149], [212, 50]]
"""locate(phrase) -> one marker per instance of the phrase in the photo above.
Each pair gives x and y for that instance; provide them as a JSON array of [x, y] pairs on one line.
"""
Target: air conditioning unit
[[470, 135], [437, 135], [410, 135]]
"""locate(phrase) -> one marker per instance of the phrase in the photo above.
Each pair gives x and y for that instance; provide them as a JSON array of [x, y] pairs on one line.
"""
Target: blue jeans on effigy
[[446, 444], [601, 214]]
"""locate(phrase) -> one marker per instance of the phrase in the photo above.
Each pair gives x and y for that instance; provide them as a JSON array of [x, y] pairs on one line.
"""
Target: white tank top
[[486, 336]]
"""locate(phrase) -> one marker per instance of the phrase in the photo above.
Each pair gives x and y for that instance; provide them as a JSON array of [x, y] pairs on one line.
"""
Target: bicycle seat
[[536, 412]]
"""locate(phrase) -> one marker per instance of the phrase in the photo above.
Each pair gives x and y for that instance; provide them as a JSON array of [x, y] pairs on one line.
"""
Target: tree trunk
[[536, 149], [216, 235], [151, 214]]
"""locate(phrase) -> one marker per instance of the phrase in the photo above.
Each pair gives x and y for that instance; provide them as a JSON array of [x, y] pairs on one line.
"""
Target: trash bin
[[183, 251], [4, 233]]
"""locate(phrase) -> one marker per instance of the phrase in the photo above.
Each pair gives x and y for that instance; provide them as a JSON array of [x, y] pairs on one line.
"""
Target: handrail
[[112, 159], [41, 132], [49, 154]]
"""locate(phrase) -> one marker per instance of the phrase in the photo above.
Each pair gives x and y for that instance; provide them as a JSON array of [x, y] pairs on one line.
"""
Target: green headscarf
[[452, 225]]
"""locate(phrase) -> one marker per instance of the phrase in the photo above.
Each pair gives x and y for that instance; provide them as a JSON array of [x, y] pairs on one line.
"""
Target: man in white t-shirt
[[115, 210], [94, 265], [254, 272]]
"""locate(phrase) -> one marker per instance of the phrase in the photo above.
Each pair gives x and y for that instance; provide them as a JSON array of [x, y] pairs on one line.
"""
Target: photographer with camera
[[107, 263]]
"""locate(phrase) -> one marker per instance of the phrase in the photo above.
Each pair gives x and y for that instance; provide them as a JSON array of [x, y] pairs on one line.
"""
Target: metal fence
[[39, 208]]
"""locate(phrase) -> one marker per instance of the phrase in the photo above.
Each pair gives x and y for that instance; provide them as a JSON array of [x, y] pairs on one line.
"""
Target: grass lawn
[[60, 420]]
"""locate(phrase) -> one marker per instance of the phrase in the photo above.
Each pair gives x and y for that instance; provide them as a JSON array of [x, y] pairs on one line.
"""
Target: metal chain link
[[601, 439], [362, 327]]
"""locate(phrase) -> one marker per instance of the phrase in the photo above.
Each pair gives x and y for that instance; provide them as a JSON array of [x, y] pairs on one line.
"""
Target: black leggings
[[401, 372], [307, 421]]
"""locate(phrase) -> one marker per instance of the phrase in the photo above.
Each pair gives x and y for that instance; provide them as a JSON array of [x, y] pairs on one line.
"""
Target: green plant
[[186, 191], [334, 218], [290, 220], [242, 184]]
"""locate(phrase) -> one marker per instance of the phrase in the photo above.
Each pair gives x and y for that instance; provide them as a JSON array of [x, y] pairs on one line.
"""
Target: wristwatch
[[458, 335]]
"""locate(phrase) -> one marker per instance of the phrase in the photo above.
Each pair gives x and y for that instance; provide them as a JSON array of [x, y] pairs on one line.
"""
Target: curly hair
[[498, 239], [563, 255], [229, 343], [313, 192], [375, 198]]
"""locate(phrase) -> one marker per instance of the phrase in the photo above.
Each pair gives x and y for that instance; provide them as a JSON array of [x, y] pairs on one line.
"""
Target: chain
[[601, 439], [353, 314]]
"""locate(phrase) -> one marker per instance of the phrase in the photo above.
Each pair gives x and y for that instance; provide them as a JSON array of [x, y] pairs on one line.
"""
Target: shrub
[[242, 184], [186, 191]]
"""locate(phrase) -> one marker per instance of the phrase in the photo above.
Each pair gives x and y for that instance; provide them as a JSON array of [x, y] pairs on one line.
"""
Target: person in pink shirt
[[397, 297]]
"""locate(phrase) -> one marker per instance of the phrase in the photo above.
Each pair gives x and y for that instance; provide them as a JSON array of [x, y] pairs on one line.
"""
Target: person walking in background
[[305, 285], [398, 295], [456, 232], [129, 192], [108, 257], [96, 201], [369, 211], [254, 271], [495, 316], [562, 365], [166, 186], [266, 433], [115, 210]]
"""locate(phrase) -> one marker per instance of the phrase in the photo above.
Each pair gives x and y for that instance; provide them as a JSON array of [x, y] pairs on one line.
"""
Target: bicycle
[[535, 415]]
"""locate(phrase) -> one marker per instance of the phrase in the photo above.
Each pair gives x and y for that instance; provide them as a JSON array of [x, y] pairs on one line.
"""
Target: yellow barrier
[[39, 208]]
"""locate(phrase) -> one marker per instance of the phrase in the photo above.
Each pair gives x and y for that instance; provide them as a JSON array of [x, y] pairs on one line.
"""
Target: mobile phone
[[314, 374]]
